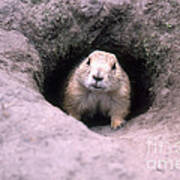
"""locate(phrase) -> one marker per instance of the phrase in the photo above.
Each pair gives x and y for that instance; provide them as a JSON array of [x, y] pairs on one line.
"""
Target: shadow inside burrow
[[141, 98]]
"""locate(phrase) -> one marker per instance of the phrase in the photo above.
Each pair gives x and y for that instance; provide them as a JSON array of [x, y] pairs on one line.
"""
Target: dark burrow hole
[[141, 98]]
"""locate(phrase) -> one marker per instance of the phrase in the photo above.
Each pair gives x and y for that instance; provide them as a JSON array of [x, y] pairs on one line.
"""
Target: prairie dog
[[99, 82]]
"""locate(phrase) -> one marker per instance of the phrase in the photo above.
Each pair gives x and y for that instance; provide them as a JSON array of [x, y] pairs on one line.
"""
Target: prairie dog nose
[[97, 78]]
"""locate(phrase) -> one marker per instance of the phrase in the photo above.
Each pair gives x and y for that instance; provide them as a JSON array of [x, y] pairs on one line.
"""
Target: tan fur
[[110, 92]]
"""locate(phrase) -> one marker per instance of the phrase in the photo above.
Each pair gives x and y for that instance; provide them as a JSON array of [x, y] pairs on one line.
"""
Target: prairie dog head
[[100, 72]]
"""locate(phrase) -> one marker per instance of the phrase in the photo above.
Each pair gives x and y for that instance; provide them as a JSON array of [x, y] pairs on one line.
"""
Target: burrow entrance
[[141, 98]]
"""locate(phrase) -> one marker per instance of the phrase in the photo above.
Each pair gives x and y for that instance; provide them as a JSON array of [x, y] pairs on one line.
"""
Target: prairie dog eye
[[88, 62], [114, 66]]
